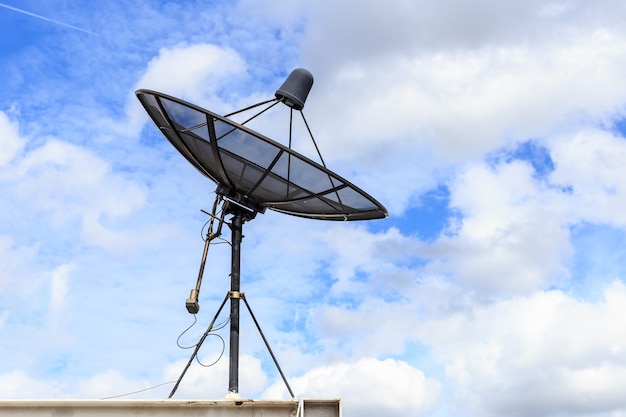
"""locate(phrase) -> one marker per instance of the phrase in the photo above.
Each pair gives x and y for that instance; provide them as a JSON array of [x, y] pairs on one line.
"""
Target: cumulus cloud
[[14, 257], [409, 96], [12, 143], [59, 286], [109, 383], [396, 101], [191, 70], [588, 165], [202, 73], [466, 103], [512, 228], [58, 172], [199, 383], [508, 237], [195, 72], [540, 354], [18, 384], [405, 27], [212, 382], [368, 387], [369, 265]]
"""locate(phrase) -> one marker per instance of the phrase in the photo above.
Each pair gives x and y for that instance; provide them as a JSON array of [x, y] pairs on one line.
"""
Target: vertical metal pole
[[235, 267]]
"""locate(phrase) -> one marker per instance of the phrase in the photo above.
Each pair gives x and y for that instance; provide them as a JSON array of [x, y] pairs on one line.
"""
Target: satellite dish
[[258, 171], [253, 173]]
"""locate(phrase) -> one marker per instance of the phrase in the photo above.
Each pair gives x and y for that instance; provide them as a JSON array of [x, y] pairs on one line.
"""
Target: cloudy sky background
[[492, 131]]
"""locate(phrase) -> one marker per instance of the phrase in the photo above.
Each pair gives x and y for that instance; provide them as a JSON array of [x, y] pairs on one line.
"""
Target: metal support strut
[[235, 269], [235, 296]]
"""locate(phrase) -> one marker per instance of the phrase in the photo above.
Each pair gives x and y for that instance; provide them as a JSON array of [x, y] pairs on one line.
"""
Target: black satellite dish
[[253, 173]]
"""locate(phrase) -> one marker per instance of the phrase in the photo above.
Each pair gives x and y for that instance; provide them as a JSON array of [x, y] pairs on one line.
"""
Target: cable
[[202, 234], [195, 320], [221, 325], [213, 331], [219, 357], [223, 241], [195, 352], [137, 392]]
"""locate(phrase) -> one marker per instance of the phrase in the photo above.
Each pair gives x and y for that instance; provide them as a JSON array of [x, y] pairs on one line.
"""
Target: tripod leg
[[267, 345], [195, 351]]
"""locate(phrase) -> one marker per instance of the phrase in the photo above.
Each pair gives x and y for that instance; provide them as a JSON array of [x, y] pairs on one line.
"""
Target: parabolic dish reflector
[[263, 172]]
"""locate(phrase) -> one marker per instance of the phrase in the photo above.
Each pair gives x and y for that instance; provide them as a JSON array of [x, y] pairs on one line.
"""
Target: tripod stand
[[240, 214]]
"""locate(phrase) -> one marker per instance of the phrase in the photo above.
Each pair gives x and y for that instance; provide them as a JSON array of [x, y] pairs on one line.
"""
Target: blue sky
[[493, 133]]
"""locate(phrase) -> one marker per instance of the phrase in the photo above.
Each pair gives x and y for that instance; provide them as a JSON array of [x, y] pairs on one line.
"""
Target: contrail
[[15, 9]]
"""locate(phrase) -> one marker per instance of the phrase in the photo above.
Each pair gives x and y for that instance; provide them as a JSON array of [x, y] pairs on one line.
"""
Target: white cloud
[[375, 327], [399, 109], [108, 383], [513, 228], [3, 318], [199, 383], [59, 287], [12, 143], [368, 387], [590, 164], [191, 71], [198, 73], [540, 354], [18, 384], [508, 237], [465, 103], [71, 183], [212, 382], [409, 96], [14, 262], [402, 27], [355, 253]]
